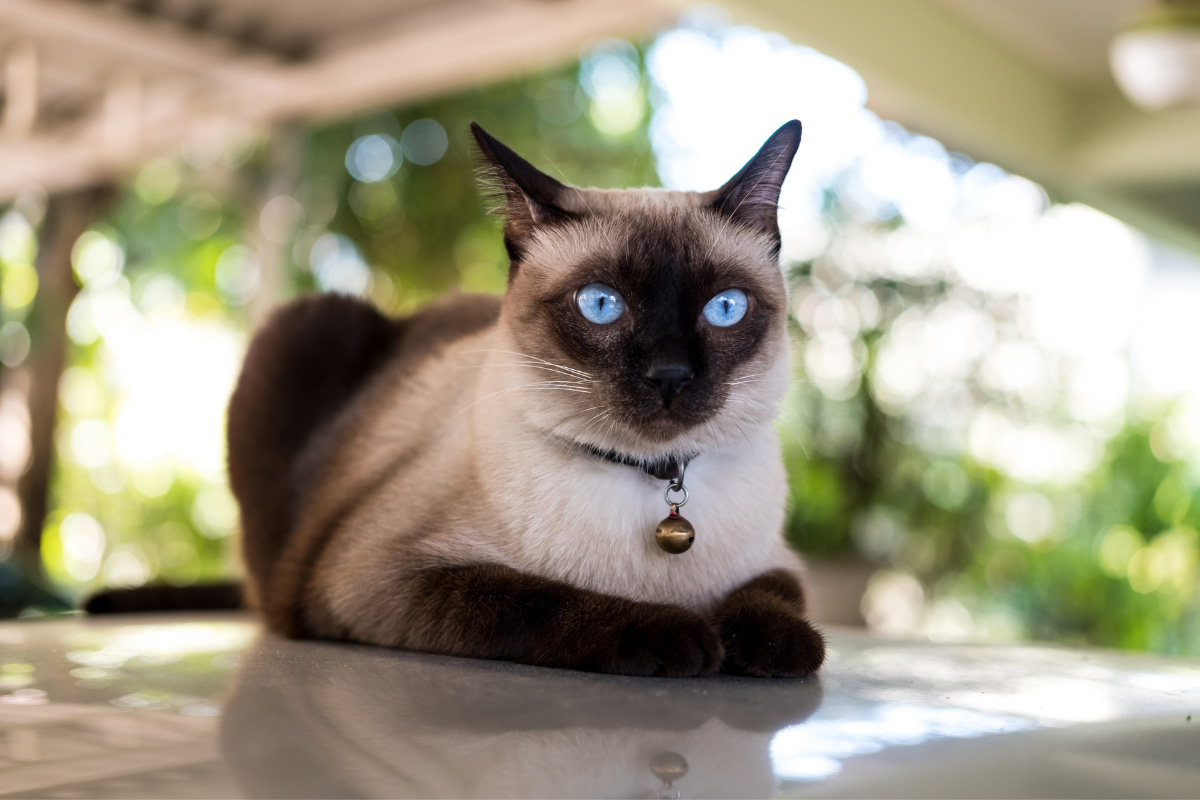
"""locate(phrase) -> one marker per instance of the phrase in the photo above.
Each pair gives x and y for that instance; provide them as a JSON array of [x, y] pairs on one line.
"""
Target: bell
[[668, 767], [674, 534]]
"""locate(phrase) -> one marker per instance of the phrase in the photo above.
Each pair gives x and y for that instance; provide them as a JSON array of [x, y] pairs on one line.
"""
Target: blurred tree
[[164, 286], [66, 217], [966, 548], [421, 225], [882, 432]]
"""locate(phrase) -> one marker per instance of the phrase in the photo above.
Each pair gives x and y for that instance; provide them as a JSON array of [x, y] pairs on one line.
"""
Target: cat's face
[[658, 318]]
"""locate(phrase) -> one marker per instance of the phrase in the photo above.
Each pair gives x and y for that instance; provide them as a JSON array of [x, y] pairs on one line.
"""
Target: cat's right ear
[[752, 196], [531, 197]]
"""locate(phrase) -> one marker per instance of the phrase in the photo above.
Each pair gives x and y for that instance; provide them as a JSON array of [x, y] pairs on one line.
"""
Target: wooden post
[[67, 216], [276, 217], [20, 91]]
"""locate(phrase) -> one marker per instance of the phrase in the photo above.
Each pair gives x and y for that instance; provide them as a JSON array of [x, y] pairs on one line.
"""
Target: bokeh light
[[969, 353], [372, 158], [424, 142], [994, 414]]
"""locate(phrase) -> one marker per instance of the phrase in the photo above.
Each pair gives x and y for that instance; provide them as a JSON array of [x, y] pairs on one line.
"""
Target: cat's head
[[665, 313]]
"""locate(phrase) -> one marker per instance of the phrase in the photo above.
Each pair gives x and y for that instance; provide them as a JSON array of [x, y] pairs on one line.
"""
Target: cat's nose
[[670, 378]]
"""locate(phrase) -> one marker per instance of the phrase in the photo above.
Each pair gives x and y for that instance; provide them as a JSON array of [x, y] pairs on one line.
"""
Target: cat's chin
[[675, 431], [665, 426]]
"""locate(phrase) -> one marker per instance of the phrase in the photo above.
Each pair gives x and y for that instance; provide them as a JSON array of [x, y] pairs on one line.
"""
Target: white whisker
[[535, 358], [539, 386], [529, 364]]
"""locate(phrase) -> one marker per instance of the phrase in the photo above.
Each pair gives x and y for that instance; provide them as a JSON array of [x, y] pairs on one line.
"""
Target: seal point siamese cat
[[482, 478]]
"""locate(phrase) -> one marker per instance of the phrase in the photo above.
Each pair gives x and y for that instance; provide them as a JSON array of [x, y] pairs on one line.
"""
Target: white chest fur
[[591, 523]]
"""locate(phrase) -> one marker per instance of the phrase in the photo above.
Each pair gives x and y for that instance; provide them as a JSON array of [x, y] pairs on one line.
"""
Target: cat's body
[[441, 485], [480, 473]]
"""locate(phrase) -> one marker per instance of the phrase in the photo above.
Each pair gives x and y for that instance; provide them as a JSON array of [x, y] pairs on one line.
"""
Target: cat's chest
[[595, 529]]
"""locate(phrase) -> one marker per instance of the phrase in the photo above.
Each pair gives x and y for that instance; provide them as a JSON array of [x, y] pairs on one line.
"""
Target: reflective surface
[[209, 707]]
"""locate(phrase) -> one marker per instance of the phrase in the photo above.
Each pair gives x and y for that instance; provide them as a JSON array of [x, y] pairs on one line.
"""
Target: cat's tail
[[303, 366], [223, 596]]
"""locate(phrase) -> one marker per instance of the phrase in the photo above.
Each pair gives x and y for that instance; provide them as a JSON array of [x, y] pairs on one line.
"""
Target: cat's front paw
[[663, 641], [770, 641]]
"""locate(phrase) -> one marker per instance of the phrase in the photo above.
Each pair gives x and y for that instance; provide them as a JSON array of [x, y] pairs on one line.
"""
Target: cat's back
[[437, 355], [313, 379], [431, 329]]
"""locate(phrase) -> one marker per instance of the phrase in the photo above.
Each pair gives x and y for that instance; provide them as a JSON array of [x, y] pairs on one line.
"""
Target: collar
[[664, 469]]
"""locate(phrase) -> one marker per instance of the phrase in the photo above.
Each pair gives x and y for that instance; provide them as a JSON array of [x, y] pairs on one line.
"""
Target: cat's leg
[[765, 631], [493, 611]]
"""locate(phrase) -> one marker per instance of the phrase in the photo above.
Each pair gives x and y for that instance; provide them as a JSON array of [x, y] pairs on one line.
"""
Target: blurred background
[[991, 232]]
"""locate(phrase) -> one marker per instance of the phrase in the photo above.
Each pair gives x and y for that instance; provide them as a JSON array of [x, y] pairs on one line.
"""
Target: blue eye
[[600, 304], [726, 308]]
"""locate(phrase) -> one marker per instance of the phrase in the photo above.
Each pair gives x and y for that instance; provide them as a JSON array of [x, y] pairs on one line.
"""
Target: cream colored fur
[[492, 476]]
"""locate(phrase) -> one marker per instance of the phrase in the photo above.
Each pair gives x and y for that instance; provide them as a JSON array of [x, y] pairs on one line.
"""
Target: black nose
[[670, 378]]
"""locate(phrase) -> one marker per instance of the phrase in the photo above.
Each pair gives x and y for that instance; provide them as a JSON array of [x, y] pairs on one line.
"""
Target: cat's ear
[[752, 195], [531, 197]]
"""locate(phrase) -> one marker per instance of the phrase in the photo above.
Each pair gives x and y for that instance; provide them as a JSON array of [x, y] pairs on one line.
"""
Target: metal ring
[[676, 487]]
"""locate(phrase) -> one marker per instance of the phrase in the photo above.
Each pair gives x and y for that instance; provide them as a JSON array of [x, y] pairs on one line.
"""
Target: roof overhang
[[93, 89], [971, 74]]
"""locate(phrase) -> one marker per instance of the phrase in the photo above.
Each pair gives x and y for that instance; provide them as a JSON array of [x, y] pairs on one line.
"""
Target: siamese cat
[[483, 478]]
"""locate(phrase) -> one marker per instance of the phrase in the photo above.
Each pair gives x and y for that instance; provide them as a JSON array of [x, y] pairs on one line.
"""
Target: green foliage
[[1110, 558], [427, 228], [175, 256]]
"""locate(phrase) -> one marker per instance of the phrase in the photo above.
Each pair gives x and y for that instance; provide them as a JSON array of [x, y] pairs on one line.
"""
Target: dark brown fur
[[302, 371], [163, 597], [491, 611], [302, 368], [765, 631], [668, 280]]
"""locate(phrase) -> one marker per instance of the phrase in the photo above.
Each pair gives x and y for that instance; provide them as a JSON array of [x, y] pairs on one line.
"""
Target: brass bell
[[668, 767], [674, 534]]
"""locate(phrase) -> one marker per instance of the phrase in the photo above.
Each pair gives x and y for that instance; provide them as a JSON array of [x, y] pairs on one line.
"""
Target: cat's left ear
[[532, 198], [752, 195]]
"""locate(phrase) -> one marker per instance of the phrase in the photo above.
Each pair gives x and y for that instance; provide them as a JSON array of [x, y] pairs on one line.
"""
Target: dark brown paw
[[663, 641], [769, 640]]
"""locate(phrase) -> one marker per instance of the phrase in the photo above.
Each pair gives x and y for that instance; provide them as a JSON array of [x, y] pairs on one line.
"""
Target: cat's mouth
[[649, 441], [663, 421]]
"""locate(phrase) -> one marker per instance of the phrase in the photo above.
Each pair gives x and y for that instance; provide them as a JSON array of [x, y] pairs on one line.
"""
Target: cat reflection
[[316, 720]]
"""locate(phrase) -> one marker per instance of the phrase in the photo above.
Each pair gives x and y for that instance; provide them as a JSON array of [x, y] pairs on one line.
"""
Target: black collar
[[664, 469]]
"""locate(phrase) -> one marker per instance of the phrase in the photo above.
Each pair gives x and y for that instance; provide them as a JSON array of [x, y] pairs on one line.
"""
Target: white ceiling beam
[[484, 41], [940, 74], [1122, 145], [21, 89], [935, 73], [147, 43]]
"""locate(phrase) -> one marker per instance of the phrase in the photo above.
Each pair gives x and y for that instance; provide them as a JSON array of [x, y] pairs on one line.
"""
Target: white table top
[[208, 706]]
